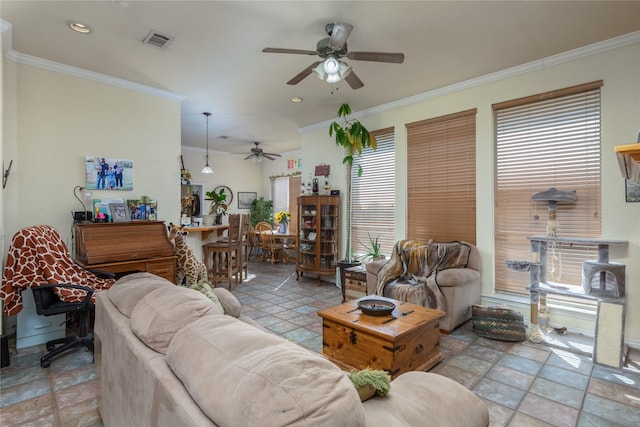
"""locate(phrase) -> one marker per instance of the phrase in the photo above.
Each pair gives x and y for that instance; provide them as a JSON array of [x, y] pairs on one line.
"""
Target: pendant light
[[207, 168]]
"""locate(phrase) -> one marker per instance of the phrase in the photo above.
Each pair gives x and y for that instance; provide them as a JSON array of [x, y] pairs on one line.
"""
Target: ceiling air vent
[[158, 40]]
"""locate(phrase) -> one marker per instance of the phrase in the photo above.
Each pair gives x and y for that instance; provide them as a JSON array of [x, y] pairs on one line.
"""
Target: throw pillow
[[231, 305], [498, 323], [370, 382], [205, 288]]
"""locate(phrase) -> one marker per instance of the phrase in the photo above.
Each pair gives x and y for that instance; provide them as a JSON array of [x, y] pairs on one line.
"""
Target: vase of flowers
[[282, 217]]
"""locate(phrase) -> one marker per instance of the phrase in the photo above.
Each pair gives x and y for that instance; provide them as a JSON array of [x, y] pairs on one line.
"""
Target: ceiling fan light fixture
[[345, 69], [207, 168], [333, 78], [331, 65]]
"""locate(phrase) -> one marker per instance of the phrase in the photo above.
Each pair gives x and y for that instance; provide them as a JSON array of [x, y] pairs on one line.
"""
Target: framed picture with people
[[107, 173]]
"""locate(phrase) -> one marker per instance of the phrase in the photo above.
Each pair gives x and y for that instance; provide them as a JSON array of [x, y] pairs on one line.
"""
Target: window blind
[[441, 180], [373, 195], [543, 141], [280, 192]]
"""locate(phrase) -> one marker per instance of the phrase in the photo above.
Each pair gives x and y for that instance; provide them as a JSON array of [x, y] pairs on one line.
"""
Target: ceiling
[[216, 61]]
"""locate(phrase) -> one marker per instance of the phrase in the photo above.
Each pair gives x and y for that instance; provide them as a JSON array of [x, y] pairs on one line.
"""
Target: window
[[441, 178], [543, 141], [373, 193], [280, 192]]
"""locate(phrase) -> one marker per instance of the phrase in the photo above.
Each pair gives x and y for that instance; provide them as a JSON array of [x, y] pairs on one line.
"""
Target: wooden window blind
[[543, 141], [374, 195], [441, 178]]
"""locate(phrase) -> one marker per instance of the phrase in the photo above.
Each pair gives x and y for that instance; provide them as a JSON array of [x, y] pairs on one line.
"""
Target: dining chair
[[272, 249], [254, 242]]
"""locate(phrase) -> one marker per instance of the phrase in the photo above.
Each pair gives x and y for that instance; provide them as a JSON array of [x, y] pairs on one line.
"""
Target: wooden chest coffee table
[[406, 340]]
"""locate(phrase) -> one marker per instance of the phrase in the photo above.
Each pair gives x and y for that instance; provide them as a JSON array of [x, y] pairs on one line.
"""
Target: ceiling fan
[[331, 49], [257, 154]]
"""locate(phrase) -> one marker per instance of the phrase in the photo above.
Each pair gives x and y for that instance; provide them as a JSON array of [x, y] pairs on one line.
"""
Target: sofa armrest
[[422, 398], [373, 268], [455, 277]]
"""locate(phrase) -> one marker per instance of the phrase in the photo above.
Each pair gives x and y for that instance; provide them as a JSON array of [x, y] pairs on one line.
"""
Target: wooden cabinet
[[319, 235], [126, 246]]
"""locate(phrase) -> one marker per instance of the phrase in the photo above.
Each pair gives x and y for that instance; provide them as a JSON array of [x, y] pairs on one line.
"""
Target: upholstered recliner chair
[[436, 275]]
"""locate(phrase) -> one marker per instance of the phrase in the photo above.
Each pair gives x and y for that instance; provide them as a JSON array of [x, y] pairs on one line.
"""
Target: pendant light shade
[[207, 168]]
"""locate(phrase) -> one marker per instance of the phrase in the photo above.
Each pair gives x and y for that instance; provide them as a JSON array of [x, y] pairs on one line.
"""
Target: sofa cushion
[[159, 315], [441, 402], [240, 375], [130, 289]]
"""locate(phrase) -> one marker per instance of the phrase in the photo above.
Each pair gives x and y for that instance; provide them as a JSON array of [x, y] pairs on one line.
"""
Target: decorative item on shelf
[[315, 186], [207, 168], [353, 136], [283, 217], [185, 175], [326, 186]]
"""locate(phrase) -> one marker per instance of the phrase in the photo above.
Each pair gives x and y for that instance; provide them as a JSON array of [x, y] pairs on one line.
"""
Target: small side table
[[355, 283]]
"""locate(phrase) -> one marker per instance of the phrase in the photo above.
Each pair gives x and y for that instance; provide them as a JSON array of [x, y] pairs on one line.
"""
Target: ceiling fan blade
[[339, 35], [294, 51], [267, 157], [353, 80], [271, 154], [395, 58], [249, 156], [304, 73]]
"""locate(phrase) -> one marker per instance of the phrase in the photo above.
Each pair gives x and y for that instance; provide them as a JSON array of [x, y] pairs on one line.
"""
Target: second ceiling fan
[[257, 154], [332, 49]]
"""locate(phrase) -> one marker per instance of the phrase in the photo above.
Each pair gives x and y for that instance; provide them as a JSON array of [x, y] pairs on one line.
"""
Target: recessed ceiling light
[[79, 27], [296, 99]]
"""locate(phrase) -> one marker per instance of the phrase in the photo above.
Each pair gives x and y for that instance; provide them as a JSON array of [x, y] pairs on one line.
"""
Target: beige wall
[[620, 71], [53, 120]]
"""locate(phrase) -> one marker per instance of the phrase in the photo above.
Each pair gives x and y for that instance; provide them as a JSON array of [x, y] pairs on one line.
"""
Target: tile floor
[[523, 384]]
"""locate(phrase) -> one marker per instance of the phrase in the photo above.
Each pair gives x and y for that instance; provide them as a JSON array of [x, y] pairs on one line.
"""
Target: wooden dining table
[[287, 239]]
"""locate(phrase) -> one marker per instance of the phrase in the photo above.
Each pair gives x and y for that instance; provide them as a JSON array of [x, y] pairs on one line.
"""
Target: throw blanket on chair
[[38, 256], [404, 276]]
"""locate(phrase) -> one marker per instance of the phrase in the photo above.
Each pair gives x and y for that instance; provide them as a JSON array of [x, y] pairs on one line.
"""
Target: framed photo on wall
[[119, 212], [106, 173], [245, 200]]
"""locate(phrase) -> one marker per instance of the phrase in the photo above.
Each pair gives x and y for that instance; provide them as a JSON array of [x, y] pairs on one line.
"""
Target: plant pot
[[219, 219], [208, 220]]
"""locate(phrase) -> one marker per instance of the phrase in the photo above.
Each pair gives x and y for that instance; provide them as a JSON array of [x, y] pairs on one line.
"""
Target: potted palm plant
[[354, 137]]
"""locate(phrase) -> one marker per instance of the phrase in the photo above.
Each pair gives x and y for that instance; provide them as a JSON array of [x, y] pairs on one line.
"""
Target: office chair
[[39, 259]]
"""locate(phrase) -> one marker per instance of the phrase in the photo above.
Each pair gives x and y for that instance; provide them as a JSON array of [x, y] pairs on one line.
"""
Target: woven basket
[[500, 324]]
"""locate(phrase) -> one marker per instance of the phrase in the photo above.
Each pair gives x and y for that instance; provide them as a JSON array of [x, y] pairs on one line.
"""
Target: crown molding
[[21, 58], [599, 47]]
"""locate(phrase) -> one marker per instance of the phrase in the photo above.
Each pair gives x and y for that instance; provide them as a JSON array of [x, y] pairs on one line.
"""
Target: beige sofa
[[167, 356], [460, 286]]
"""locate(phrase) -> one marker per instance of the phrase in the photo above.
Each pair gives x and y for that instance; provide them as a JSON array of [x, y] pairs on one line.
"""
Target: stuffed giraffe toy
[[189, 268]]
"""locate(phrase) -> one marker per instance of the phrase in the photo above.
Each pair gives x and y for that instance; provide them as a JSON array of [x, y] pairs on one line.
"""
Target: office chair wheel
[[51, 347], [45, 364]]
